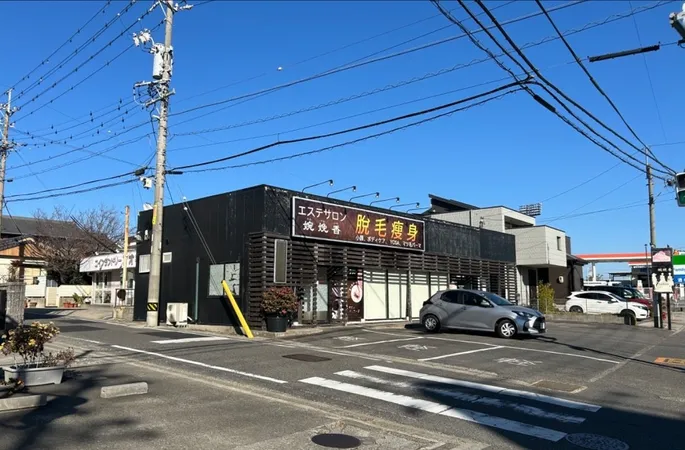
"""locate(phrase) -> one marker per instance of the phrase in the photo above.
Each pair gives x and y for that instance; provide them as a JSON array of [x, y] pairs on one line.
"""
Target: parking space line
[[363, 344], [439, 408], [489, 388], [200, 364], [194, 339], [528, 349], [461, 353]]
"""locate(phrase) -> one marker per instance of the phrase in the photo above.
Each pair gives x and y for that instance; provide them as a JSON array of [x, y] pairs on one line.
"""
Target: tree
[[62, 239]]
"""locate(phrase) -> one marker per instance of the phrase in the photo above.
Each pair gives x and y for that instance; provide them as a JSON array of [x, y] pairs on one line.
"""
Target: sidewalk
[[184, 411]]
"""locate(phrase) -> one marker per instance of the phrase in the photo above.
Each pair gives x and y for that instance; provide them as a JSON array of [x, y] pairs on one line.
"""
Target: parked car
[[478, 310], [598, 302], [629, 293]]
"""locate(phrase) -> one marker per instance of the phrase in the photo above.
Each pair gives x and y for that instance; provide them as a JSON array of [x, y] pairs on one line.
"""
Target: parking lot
[[570, 356]]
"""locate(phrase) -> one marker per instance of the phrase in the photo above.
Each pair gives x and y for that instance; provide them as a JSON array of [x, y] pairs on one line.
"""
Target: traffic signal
[[680, 188]]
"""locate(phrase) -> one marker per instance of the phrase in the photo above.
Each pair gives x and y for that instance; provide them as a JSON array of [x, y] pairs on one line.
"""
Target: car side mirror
[[484, 304]]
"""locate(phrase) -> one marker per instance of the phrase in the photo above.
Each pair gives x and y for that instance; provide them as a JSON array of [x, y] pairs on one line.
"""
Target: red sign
[[327, 221]]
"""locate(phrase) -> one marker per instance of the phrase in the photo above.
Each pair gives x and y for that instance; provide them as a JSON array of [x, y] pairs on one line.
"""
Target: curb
[[584, 318], [122, 390], [22, 402]]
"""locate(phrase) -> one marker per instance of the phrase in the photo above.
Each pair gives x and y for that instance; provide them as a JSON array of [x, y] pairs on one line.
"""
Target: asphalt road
[[579, 386]]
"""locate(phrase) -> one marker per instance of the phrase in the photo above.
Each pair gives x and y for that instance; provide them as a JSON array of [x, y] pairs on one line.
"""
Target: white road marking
[[518, 362], [196, 363], [384, 332], [84, 340], [439, 408], [471, 398], [194, 339], [415, 347], [461, 353], [381, 342], [348, 338], [527, 349], [489, 388]]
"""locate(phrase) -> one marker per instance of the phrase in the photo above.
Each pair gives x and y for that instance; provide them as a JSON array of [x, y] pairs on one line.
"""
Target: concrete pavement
[[579, 379]]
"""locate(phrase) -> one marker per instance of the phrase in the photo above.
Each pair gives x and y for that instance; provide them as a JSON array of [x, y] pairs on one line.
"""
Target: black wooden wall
[[226, 220]]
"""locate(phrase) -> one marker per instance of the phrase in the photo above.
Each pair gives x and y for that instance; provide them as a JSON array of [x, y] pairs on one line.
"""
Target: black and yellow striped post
[[153, 306]]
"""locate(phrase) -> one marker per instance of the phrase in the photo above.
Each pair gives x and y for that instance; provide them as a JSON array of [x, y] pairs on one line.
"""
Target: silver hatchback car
[[478, 310]]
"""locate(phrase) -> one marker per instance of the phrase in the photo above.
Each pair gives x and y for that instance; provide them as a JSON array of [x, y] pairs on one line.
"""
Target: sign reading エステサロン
[[327, 221]]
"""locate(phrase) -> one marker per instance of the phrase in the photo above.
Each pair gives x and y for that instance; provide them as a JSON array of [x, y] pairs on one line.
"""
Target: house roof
[[441, 204], [29, 226]]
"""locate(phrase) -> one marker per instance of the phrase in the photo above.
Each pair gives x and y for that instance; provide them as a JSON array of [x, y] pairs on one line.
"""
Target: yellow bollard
[[243, 323]]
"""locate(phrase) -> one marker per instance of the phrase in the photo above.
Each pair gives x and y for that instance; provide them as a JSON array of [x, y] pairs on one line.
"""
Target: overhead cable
[[510, 88]]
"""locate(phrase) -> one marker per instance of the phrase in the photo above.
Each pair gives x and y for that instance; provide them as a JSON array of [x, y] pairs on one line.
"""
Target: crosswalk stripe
[[439, 408], [188, 340], [489, 388], [471, 398]]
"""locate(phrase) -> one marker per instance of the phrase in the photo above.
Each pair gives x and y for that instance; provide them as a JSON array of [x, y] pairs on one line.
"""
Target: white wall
[[537, 246], [493, 218]]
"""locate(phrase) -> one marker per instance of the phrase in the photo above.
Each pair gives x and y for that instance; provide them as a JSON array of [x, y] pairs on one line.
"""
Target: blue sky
[[507, 152]]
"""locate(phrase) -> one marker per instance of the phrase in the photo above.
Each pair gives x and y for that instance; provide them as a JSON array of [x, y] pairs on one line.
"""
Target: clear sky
[[507, 152]]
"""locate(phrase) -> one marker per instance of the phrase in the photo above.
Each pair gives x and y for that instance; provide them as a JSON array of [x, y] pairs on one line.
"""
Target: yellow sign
[[670, 361], [153, 306]]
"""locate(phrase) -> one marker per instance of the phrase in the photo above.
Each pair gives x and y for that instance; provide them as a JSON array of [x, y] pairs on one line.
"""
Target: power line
[[588, 26], [355, 141], [64, 44], [92, 74], [539, 75], [350, 130], [353, 66], [90, 189], [591, 78], [649, 77], [84, 183], [538, 99], [337, 49], [72, 55]]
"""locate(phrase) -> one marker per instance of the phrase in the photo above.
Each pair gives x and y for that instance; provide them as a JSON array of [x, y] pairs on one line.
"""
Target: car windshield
[[637, 294], [496, 299]]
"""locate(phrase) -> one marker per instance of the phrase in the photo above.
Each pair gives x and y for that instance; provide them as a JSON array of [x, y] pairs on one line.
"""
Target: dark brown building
[[346, 261]]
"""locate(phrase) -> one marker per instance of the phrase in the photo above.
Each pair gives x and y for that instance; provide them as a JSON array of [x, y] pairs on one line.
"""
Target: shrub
[[279, 301], [546, 298], [27, 342]]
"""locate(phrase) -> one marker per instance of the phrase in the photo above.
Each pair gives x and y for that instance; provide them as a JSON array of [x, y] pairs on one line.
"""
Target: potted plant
[[32, 366], [278, 306]]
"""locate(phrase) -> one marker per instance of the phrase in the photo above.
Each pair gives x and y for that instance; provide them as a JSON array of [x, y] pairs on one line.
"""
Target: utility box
[[177, 314]]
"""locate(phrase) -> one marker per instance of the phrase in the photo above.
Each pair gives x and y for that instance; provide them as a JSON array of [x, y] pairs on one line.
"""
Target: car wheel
[[431, 323], [506, 329], [632, 318], [576, 309]]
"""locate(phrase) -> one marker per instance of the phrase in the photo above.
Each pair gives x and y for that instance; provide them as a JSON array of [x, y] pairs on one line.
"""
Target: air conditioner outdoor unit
[[177, 314]]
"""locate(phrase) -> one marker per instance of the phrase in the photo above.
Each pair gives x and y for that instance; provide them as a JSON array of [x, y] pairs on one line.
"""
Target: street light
[[397, 200], [329, 182], [376, 194], [354, 189], [405, 204]]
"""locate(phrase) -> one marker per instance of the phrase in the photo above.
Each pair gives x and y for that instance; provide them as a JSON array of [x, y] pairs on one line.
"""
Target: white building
[[543, 253], [106, 271]]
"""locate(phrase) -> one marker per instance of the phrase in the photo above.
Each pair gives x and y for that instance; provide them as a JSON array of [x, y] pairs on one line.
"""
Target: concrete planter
[[34, 376]]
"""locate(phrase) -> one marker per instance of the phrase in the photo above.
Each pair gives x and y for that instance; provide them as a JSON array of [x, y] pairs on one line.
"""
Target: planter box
[[276, 324], [35, 376]]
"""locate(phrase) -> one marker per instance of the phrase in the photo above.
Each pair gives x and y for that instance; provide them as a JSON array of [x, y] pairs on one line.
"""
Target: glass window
[[627, 294], [559, 243], [588, 295], [471, 299], [451, 297], [496, 299], [144, 264], [604, 297], [216, 275]]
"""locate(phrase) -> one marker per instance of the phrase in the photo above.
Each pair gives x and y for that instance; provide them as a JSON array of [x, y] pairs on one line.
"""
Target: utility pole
[[656, 310], [160, 92], [5, 147], [124, 264]]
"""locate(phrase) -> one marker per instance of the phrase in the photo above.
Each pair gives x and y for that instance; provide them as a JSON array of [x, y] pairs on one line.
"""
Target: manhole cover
[[307, 358], [558, 386], [596, 442], [333, 440]]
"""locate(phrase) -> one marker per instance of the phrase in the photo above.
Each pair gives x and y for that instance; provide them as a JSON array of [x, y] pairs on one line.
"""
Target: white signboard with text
[[104, 263]]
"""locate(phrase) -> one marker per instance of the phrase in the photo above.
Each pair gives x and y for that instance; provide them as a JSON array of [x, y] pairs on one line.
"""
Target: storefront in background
[[346, 262], [106, 271]]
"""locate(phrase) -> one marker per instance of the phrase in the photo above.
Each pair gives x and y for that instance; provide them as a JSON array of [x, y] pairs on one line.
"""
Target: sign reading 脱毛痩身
[[327, 221]]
